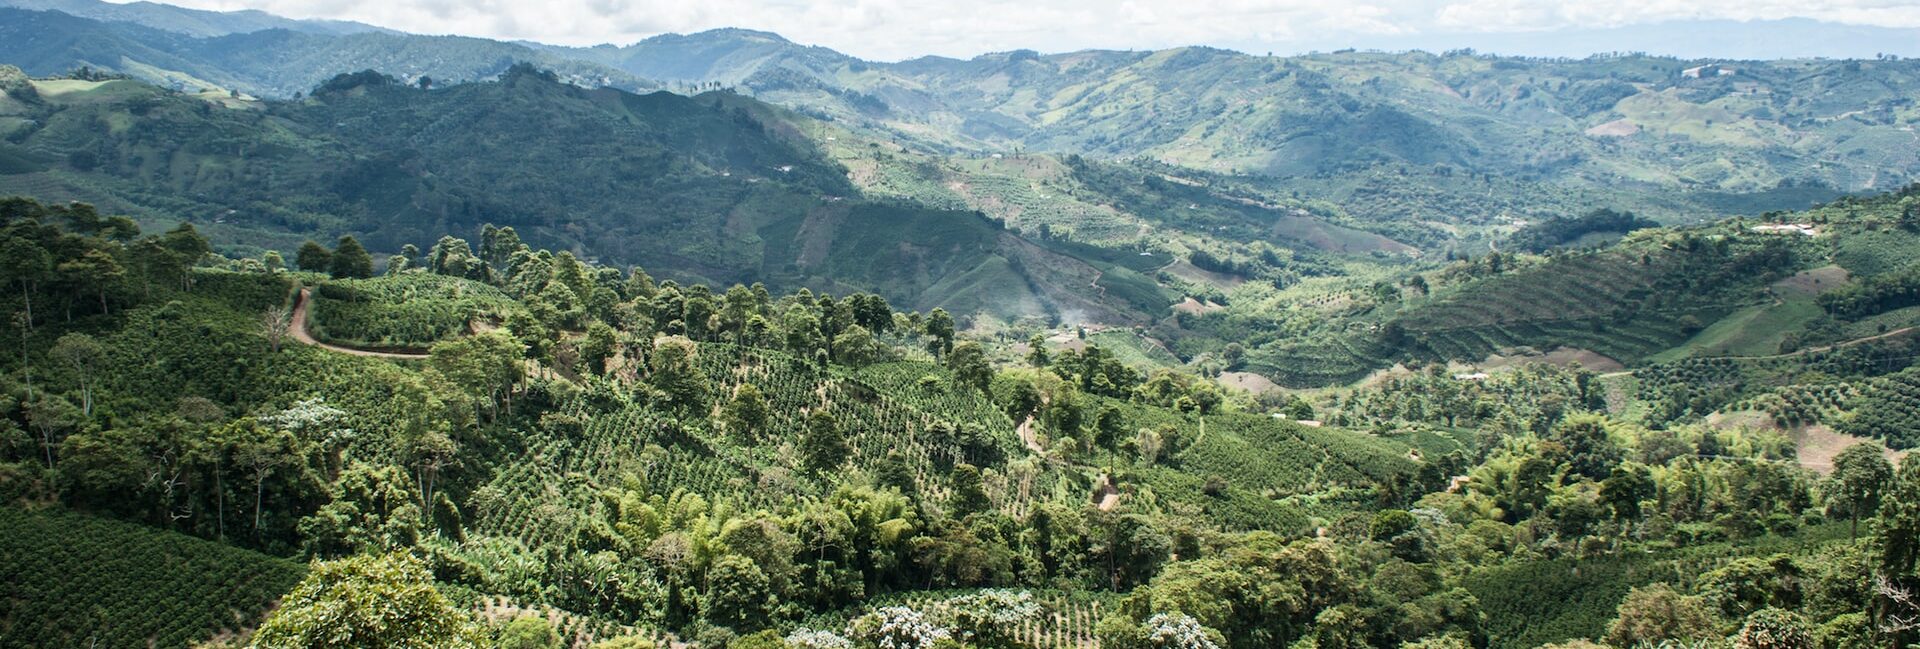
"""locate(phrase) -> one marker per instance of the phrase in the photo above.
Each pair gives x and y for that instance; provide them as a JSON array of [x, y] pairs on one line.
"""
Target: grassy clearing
[[1135, 351], [1751, 331]]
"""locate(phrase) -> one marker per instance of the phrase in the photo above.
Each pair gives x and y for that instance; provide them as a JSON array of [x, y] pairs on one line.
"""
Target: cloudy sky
[[896, 29]]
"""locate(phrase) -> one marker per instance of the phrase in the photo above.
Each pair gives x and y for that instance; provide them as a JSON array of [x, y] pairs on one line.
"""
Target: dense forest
[[484, 444]]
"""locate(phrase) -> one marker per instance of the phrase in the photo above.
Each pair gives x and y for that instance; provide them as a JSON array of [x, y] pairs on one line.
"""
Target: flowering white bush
[[313, 420], [1178, 631], [804, 638], [997, 606], [990, 617], [899, 627]]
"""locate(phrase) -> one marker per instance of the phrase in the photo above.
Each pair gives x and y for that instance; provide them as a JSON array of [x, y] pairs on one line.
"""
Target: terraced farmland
[[1613, 303], [882, 409], [74, 580]]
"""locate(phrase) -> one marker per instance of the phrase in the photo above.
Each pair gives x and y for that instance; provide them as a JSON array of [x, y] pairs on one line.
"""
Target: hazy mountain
[[1724, 125], [274, 62], [726, 56], [193, 22], [1691, 39], [1713, 124]]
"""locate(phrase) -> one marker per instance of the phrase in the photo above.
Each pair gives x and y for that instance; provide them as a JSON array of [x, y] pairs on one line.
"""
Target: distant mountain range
[[192, 22], [287, 58], [1667, 122], [1793, 38]]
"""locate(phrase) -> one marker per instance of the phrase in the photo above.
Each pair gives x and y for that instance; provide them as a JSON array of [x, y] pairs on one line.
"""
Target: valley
[[325, 334]]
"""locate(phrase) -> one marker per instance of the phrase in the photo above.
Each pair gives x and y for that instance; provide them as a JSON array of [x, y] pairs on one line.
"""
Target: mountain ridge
[[193, 22]]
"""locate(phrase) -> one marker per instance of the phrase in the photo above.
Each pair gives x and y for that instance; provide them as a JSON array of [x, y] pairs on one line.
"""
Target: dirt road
[[300, 333]]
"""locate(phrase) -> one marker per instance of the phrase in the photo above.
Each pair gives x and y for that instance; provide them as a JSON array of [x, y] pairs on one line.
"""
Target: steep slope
[[693, 188]]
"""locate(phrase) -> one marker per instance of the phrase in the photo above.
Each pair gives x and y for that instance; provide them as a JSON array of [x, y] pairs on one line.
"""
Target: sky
[[898, 29]]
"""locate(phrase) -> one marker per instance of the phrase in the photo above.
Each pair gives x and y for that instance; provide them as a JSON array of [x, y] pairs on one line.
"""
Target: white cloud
[[894, 29], [1520, 15]]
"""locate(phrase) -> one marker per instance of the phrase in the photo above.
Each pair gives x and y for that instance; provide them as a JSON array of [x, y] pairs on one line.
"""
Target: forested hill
[[694, 187], [1603, 122], [1730, 125]]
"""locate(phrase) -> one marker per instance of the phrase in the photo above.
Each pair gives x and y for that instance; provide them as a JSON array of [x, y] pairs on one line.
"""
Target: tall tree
[[674, 374], [824, 445], [313, 257], [186, 248], [486, 365], [261, 452], [1898, 527], [1037, 351], [97, 270], [350, 260], [26, 263], [939, 328], [739, 594], [276, 323], [1861, 474], [969, 490], [599, 346], [86, 357], [969, 364], [746, 415]]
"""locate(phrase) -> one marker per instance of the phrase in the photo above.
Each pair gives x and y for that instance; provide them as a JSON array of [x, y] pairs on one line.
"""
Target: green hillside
[[81, 581], [319, 335], [724, 198], [592, 451]]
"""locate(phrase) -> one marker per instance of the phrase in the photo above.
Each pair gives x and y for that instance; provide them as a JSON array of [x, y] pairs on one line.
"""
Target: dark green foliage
[[405, 311], [739, 595], [824, 444], [969, 365], [1557, 232], [1861, 477], [969, 496], [350, 260], [1589, 448], [1888, 409], [1874, 295], [80, 581], [314, 258]]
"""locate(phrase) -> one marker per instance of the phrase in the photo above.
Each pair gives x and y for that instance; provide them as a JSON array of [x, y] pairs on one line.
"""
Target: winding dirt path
[[1107, 496], [1031, 440], [300, 333]]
